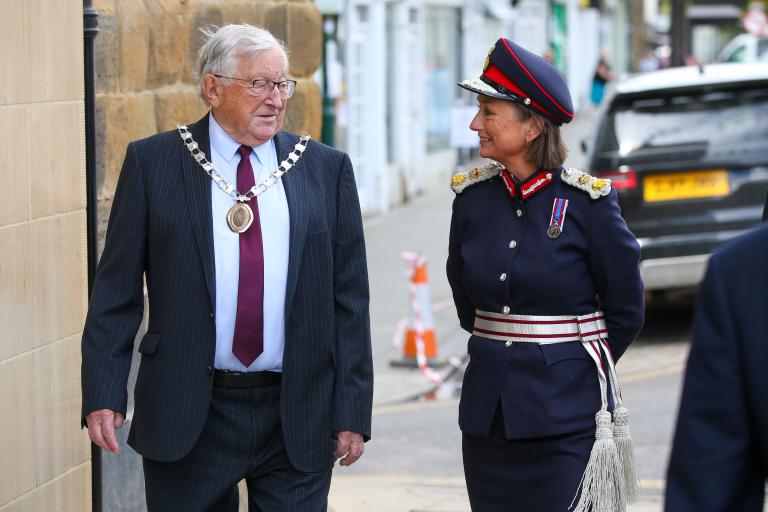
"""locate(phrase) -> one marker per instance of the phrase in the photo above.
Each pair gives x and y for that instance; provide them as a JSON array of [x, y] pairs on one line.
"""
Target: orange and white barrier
[[420, 340]]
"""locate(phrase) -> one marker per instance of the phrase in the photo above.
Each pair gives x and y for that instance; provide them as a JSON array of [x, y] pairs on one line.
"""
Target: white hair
[[224, 46]]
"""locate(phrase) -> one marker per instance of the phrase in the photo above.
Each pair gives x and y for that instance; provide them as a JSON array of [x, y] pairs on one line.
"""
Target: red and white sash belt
[[540, 329], [611, 463], [589, 329]]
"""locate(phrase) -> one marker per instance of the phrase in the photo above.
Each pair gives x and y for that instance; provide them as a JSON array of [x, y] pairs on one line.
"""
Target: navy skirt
[[526, 475]]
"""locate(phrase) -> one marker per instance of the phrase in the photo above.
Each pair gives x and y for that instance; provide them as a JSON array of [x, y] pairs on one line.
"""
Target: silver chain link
[[227, 187]]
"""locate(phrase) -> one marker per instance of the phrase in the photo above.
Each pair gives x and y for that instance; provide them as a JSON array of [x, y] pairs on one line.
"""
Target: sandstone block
[[57, 171], [276, 20], [17, 302], [14, 24], [106, 47], [71, 491], [60, 276], [50, 67], [14, 171], [17, 428], [201, 15], [133, 23], [305, 38], [251, 13], [304, 112], [120, 119], [178, 106], [167, 44], [62, 445]]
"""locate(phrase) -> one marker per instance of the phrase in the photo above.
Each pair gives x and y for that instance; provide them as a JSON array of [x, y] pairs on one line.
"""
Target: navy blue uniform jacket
[[719, 459], [160, 228], [593, 265]]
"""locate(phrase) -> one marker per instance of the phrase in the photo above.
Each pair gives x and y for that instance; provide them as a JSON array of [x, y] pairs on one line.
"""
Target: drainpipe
[[90, 30]]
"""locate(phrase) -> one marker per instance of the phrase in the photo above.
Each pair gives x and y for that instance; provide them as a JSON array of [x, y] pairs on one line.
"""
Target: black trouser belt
[[228, 379]]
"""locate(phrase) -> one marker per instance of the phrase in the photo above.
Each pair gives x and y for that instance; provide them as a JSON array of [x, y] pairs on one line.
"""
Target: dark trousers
[[524, 475], [242, 438]]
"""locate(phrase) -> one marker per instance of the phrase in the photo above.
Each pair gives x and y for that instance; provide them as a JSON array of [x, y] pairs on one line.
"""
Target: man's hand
[[350, 446], [101, 428]]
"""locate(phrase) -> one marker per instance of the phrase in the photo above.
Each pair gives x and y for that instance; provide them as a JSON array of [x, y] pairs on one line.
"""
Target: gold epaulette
[[462, 180], [595, 187]]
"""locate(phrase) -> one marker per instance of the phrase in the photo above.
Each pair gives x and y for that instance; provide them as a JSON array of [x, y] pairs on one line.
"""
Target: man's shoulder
[[162, 139], [315, 148], [745, 252]]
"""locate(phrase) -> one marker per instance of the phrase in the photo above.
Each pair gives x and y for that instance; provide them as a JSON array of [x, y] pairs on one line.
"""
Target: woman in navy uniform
[[545, 276]]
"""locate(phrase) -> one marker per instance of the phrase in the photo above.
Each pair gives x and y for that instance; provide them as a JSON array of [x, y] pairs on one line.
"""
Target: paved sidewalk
[[419, 226], [417, 494]]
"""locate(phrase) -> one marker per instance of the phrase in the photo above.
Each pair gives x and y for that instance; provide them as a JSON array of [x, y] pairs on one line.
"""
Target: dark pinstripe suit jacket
[[160, 226]]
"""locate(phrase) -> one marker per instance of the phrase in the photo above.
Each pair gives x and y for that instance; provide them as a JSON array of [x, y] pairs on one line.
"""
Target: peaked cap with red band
[[513, 73]]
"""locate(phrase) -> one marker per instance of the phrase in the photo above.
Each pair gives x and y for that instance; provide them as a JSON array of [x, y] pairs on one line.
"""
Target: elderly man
[[257, 359]]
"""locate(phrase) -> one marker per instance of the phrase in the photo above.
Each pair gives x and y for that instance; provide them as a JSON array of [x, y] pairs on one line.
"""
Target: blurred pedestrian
[[257, 362], [648, 62], [544, 274], [719, 458], [600, 79]]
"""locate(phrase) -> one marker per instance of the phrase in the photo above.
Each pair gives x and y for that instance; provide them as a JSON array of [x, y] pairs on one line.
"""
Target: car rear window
[[714, 125]]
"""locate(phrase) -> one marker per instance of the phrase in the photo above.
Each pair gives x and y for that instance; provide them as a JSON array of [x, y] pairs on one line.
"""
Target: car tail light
[[623, 179]]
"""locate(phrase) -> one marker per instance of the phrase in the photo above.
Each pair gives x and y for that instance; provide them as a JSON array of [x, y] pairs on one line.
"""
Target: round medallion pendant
[[553, 231], [239, 217]]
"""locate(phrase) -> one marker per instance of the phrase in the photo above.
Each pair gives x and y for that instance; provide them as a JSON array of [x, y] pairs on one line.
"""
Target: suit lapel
[[198, 189], [295, 184]]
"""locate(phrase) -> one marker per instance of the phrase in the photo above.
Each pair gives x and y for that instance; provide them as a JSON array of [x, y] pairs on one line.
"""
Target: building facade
[[391, 68], [43, 281]]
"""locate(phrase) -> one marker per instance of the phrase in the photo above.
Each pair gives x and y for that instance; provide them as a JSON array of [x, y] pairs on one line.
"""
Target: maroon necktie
[[248, 342]]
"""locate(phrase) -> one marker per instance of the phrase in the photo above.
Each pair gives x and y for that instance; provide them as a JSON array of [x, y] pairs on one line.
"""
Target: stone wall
[[43, 277], [146, 54]]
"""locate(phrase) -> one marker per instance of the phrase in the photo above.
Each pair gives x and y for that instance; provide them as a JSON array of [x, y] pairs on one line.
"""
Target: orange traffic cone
[[420, 345]]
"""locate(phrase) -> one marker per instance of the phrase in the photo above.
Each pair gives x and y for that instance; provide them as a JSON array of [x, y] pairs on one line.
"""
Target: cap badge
[[488, 58], [527, 101], [557, 219]]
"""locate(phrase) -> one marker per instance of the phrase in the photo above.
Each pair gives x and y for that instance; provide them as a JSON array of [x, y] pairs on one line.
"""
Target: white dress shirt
[[275, 232]]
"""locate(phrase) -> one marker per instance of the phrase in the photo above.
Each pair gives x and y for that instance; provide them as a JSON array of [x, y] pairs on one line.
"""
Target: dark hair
[[548, 149]]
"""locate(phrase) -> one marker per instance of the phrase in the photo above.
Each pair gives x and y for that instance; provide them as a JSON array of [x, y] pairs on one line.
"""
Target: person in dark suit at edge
[[257, 360], [719, 460]]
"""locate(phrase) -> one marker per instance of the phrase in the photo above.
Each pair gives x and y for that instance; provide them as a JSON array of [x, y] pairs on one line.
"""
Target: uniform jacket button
[[508, 344], [210, 370], [503, 277], [505, 310], [512, 244], [519, 212]]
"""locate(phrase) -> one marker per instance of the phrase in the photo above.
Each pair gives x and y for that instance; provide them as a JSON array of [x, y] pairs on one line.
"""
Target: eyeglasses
[[261, 86]]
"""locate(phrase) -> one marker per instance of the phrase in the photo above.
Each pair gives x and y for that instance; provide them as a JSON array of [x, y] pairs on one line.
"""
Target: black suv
[[687, 150]]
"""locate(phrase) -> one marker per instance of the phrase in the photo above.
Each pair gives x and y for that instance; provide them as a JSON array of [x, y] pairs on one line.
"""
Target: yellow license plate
[[686, 185]]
